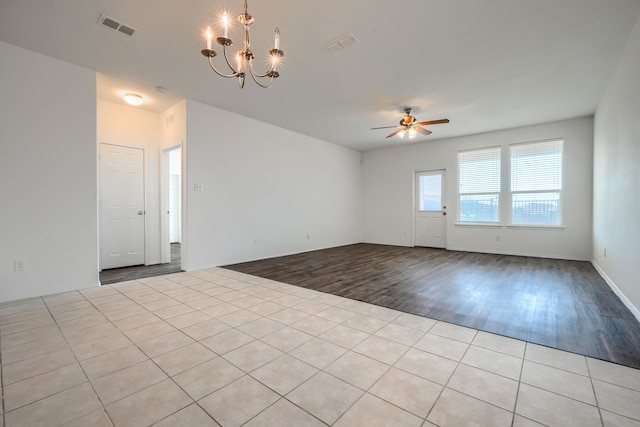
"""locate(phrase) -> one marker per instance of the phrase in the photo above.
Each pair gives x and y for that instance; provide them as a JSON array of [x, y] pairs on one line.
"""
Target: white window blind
[[479, 185], [536, 183]]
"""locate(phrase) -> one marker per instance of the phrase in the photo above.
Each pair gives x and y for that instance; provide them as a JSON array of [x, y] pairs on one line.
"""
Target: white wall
[[174, 125], [388, 193], [616, 203], [264, 189], [47, 175], [133, 127]]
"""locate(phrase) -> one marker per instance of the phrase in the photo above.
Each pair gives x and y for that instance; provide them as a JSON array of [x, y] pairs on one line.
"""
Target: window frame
[[419, 194], [559, 191], [497, 194]]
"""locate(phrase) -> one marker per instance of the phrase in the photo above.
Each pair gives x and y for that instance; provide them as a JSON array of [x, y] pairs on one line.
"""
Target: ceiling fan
[[409, 125]]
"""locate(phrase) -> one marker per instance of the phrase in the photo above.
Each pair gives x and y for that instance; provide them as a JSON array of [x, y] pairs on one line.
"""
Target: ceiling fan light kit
[[244, 57], [408, 125]]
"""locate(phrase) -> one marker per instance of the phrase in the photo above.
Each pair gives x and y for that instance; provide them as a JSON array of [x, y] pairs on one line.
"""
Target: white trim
[[634, 310], [516, 253], [478, 224], [145, 199], [560, 190], [444, 200], [537, 227]]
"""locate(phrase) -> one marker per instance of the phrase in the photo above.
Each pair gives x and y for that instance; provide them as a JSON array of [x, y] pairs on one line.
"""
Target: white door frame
[[165, 244], [414, 202]]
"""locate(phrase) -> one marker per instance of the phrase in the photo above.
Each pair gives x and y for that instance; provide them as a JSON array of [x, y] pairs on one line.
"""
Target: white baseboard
[[634, 310], [516, 253]]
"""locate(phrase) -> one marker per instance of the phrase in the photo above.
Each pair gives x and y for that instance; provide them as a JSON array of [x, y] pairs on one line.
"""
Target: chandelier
[[244, 57]]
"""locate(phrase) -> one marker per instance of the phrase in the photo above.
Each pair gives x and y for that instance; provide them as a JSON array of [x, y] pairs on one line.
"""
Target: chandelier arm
[[219, 73], [260, 84], [224, 53], [254, 74]]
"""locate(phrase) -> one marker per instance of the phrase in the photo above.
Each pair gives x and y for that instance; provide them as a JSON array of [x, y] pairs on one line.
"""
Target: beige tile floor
[[217, 347]]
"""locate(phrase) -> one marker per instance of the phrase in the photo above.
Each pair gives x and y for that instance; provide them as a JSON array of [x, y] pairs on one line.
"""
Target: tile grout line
[[593, 388], [515, 403], [217, 356], [149, 358], [104, 408], [283, 325], [76, 362]]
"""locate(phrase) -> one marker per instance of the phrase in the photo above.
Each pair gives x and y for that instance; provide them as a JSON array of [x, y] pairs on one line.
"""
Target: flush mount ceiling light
[[132, 99], [244, 57]]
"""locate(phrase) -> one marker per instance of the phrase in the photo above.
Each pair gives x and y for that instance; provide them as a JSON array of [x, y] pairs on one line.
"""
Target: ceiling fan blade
[[432, 122], [395, 133], [422, 131], [386, 127]]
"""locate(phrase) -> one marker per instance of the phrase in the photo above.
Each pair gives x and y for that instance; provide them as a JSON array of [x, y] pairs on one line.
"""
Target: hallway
[[115, 275]]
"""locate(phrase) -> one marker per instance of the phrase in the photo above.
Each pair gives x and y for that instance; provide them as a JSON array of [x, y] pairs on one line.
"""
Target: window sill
[[510, 226], [537, 227], [478, 224]]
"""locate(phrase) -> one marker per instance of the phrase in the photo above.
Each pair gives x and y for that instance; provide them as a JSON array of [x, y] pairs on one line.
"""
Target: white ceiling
[[484, 64]]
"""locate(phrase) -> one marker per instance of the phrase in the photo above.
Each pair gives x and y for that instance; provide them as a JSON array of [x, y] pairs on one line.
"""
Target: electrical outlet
[[308, 236], [19, 265]]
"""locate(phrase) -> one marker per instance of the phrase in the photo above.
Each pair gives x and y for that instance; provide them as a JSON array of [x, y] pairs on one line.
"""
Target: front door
[[121, 206], [430, 215]]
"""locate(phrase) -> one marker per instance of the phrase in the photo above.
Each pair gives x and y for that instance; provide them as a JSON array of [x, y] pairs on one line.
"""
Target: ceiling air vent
[[115, 25], [341, 42]]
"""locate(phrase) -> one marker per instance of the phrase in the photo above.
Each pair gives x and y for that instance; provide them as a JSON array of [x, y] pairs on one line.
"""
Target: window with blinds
[[536, 183], [479, 186]]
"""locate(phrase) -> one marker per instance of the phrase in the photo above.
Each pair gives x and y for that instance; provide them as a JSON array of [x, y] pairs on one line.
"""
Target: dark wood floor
[[556, 303], [116, 275]]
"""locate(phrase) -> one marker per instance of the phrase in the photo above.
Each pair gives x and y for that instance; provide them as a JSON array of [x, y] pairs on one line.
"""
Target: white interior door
[[430, 215], [121, 206]]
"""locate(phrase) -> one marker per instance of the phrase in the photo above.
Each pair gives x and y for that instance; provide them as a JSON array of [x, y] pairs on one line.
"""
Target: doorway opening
[[117, 275], [171, 199], [170, 224]]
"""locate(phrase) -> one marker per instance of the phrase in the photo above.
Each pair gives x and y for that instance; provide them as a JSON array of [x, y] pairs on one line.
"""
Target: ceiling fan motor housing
[[407, 120]]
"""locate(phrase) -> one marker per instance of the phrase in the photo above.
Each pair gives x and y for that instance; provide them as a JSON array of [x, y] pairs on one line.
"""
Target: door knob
[[444, 213], [140, 212]]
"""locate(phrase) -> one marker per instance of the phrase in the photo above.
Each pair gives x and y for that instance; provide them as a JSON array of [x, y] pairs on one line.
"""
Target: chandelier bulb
[[209, 35], [225, 26]]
